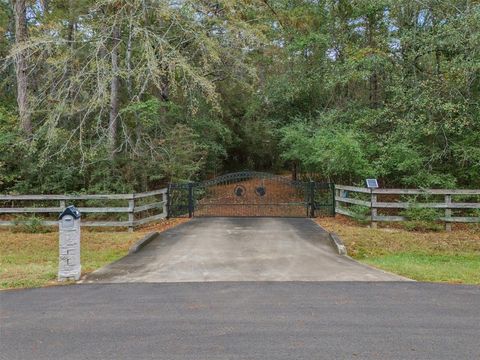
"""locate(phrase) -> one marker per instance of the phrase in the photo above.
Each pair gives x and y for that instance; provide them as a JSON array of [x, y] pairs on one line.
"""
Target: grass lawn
[[452, 257], [31, 260]]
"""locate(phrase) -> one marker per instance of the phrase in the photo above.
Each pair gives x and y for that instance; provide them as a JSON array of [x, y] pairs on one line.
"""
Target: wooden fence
[[137, 209], [372, 199], [142, 208]]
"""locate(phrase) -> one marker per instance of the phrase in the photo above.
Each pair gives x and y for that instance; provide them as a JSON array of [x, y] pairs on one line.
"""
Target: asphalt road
[[241, 320], [239, 249]]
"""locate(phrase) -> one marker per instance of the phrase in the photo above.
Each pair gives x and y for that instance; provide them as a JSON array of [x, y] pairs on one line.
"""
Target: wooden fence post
[[373, 211], [63, 205], [131, 213], [448, 212], [337, 194], [165, 204]]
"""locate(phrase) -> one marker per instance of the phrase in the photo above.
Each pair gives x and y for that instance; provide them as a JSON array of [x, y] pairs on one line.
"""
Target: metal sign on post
[[69, 266], [372, 183]]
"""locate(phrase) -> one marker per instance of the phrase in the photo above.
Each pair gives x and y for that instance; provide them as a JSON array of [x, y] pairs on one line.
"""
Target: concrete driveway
[[239, 249]]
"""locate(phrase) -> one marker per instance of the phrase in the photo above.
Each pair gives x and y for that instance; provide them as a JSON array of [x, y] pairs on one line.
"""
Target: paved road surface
[[241, 320], [240, 249]]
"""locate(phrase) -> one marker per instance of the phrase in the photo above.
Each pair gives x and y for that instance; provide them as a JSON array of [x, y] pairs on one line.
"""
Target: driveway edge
[[142, 242], [338, 244], [335, 240]]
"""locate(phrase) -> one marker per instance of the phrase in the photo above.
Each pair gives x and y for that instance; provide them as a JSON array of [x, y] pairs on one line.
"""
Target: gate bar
[[190, 200]]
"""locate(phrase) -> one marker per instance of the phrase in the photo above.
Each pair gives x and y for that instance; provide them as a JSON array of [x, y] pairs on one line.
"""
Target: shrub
[[421, 219], [360, 213], [30, 224]]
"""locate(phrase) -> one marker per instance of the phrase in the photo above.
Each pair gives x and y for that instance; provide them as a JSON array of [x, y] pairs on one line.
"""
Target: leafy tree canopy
[[126, 95]]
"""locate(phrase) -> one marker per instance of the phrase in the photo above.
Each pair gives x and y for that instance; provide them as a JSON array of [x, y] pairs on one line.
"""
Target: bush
[[422, 226], [421, 219], [30, 225], [329, 150], [360, 213]]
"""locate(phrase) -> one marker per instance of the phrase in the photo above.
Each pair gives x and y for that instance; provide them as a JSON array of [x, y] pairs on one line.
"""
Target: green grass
[[452, 268], [31, 260], [452, 257]]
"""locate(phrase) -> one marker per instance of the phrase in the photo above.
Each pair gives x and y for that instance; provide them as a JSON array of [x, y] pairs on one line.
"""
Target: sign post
[[372, 184]]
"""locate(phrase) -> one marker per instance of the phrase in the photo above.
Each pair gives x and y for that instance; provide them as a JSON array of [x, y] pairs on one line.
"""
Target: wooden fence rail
[[343, 196], [157, 209]]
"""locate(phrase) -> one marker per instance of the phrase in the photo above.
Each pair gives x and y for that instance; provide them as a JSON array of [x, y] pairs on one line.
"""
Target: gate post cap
[[70, 210]]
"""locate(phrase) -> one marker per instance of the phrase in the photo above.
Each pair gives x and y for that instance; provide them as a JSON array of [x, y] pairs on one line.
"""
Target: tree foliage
[[126, 95]]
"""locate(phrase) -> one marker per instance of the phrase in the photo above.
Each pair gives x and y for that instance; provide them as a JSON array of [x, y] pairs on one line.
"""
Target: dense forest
[[126, 95]]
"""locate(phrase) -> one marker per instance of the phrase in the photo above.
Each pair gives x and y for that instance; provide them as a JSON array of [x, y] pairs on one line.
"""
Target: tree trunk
[[114, 90], [374, 90], [128, 81], [71, 28], [44, 4], [21, 67], [128, 62], [373, 86], [294, 170]]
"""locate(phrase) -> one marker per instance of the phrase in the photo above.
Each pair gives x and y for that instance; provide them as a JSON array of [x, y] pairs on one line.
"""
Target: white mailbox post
[[69, 266]]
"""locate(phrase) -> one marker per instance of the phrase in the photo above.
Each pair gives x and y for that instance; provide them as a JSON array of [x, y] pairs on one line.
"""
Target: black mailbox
[[72, 211]]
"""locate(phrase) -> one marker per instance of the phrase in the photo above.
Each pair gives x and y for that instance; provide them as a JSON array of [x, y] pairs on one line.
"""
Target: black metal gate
[[251, 193]]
